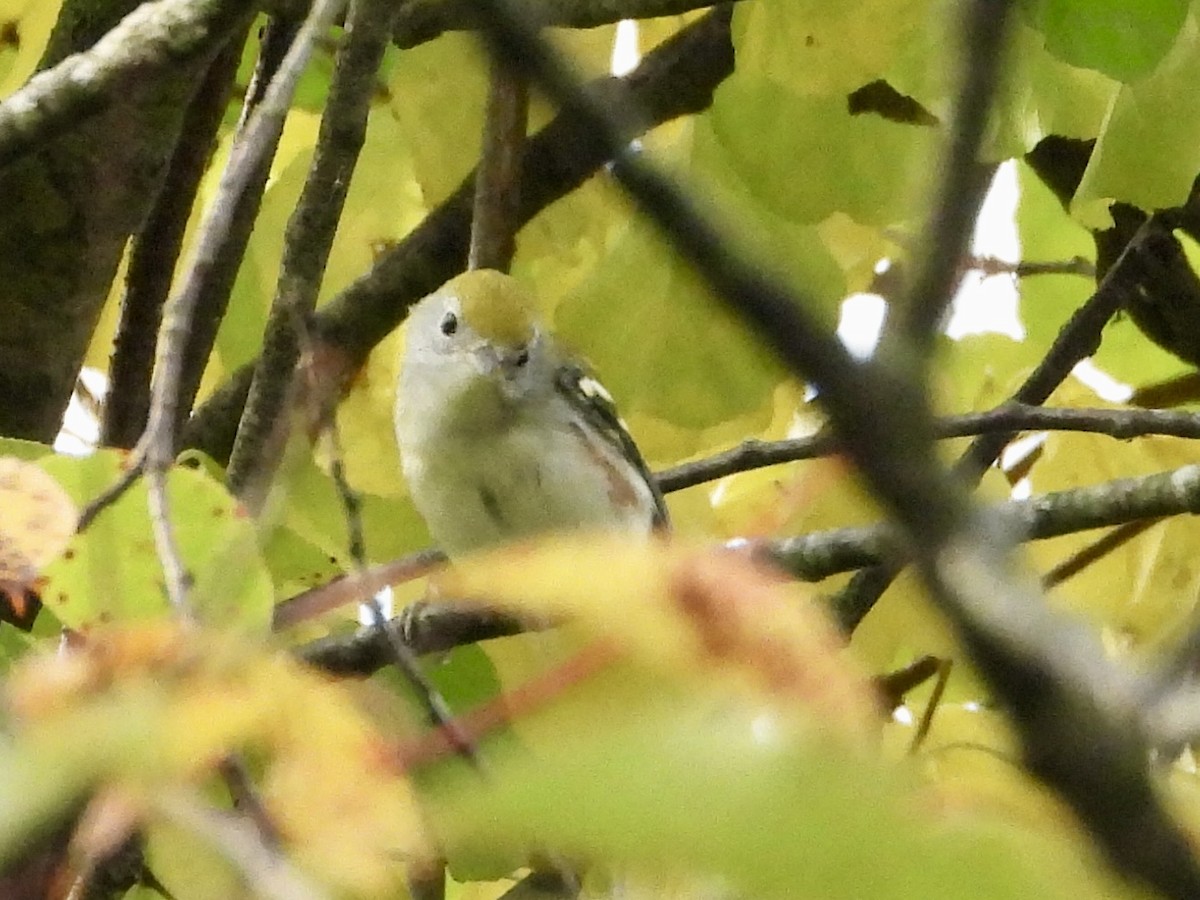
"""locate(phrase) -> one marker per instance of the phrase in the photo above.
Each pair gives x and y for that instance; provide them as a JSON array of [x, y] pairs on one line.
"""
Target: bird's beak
[[507, 361]]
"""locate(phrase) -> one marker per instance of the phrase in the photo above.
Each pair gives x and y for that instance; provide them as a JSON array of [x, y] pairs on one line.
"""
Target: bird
[[503, 434]]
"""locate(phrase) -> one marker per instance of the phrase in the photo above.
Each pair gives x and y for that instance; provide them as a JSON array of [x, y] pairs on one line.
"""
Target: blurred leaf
[[152, 708], [1043, 95], [23, 449], [658, 339], [747, 796], [824, 49], [438, 91], [1149, 150], [714, 615], [865, 166], [1121, 39], [38, 521], [314, 511]]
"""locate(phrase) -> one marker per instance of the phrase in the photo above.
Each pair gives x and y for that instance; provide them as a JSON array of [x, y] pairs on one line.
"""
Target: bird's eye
[[449, 324]]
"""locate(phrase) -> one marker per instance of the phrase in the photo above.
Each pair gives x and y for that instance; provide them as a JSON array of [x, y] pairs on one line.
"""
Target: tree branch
[[1176, 492], [498, 176], [424, 20], [152, 37], [676, 78], [1008, 419], [437, 627], [82, 204], [154, 253], [212, 295], [307, 244], [1076, 715], [422, 628], [156, 448], [963, 185], [1075, 341]]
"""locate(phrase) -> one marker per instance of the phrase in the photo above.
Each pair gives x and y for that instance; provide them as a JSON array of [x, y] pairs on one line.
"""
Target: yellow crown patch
[[497, 306]]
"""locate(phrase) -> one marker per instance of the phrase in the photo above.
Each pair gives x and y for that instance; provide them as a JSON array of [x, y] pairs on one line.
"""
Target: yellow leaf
[[39, 519], [150, 709], [698, 612]]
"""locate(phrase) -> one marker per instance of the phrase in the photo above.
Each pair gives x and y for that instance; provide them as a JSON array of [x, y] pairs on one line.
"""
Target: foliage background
[[681, 770]]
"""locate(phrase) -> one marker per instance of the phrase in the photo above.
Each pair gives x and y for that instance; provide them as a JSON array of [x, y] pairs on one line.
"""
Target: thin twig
[[152, 36], [935, 700], [1175, 492], [1075, 341], [175, 572], [991, 265], [1009, 419], [155, 249], [110, 495], [308, 242], [494, 220], [214, 292], [1078, 339], [436, 707], [1095, 551], [157, 445], [156, 448], [894, 685], [963, 186], [354, 587], [1080, 730], [675, 78]]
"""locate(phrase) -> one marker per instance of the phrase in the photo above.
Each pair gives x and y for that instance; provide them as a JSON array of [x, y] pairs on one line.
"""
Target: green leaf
[[31, 22], [1149, 151], [112, 571], [439, 89], [805, 158], [825, 49], [1048, 234], [315, 513], [27, 450], [1122, 38], [745, 796], [658, 339]]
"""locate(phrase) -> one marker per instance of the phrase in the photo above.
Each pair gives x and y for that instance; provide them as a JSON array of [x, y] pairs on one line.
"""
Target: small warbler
[[502, 434]]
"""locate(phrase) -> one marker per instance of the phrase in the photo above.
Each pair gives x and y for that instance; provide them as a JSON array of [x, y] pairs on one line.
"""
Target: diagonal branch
[[1075, 341], [308, 242], [1077, 716], [1009, 419], [155, 251], [498, 175], [964, 182], [153, 36], [676, 78], [424, 20]]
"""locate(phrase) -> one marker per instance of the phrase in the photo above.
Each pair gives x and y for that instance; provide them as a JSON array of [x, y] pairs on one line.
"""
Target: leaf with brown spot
[[37, 519], [698, 612]]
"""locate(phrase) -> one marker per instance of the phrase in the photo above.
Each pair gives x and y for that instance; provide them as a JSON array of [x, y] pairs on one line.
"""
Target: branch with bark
[[127, 94], [1080, 729], [676, 78]]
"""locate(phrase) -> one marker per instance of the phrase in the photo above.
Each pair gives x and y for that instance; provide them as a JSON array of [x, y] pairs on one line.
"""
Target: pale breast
[[520, 482]]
